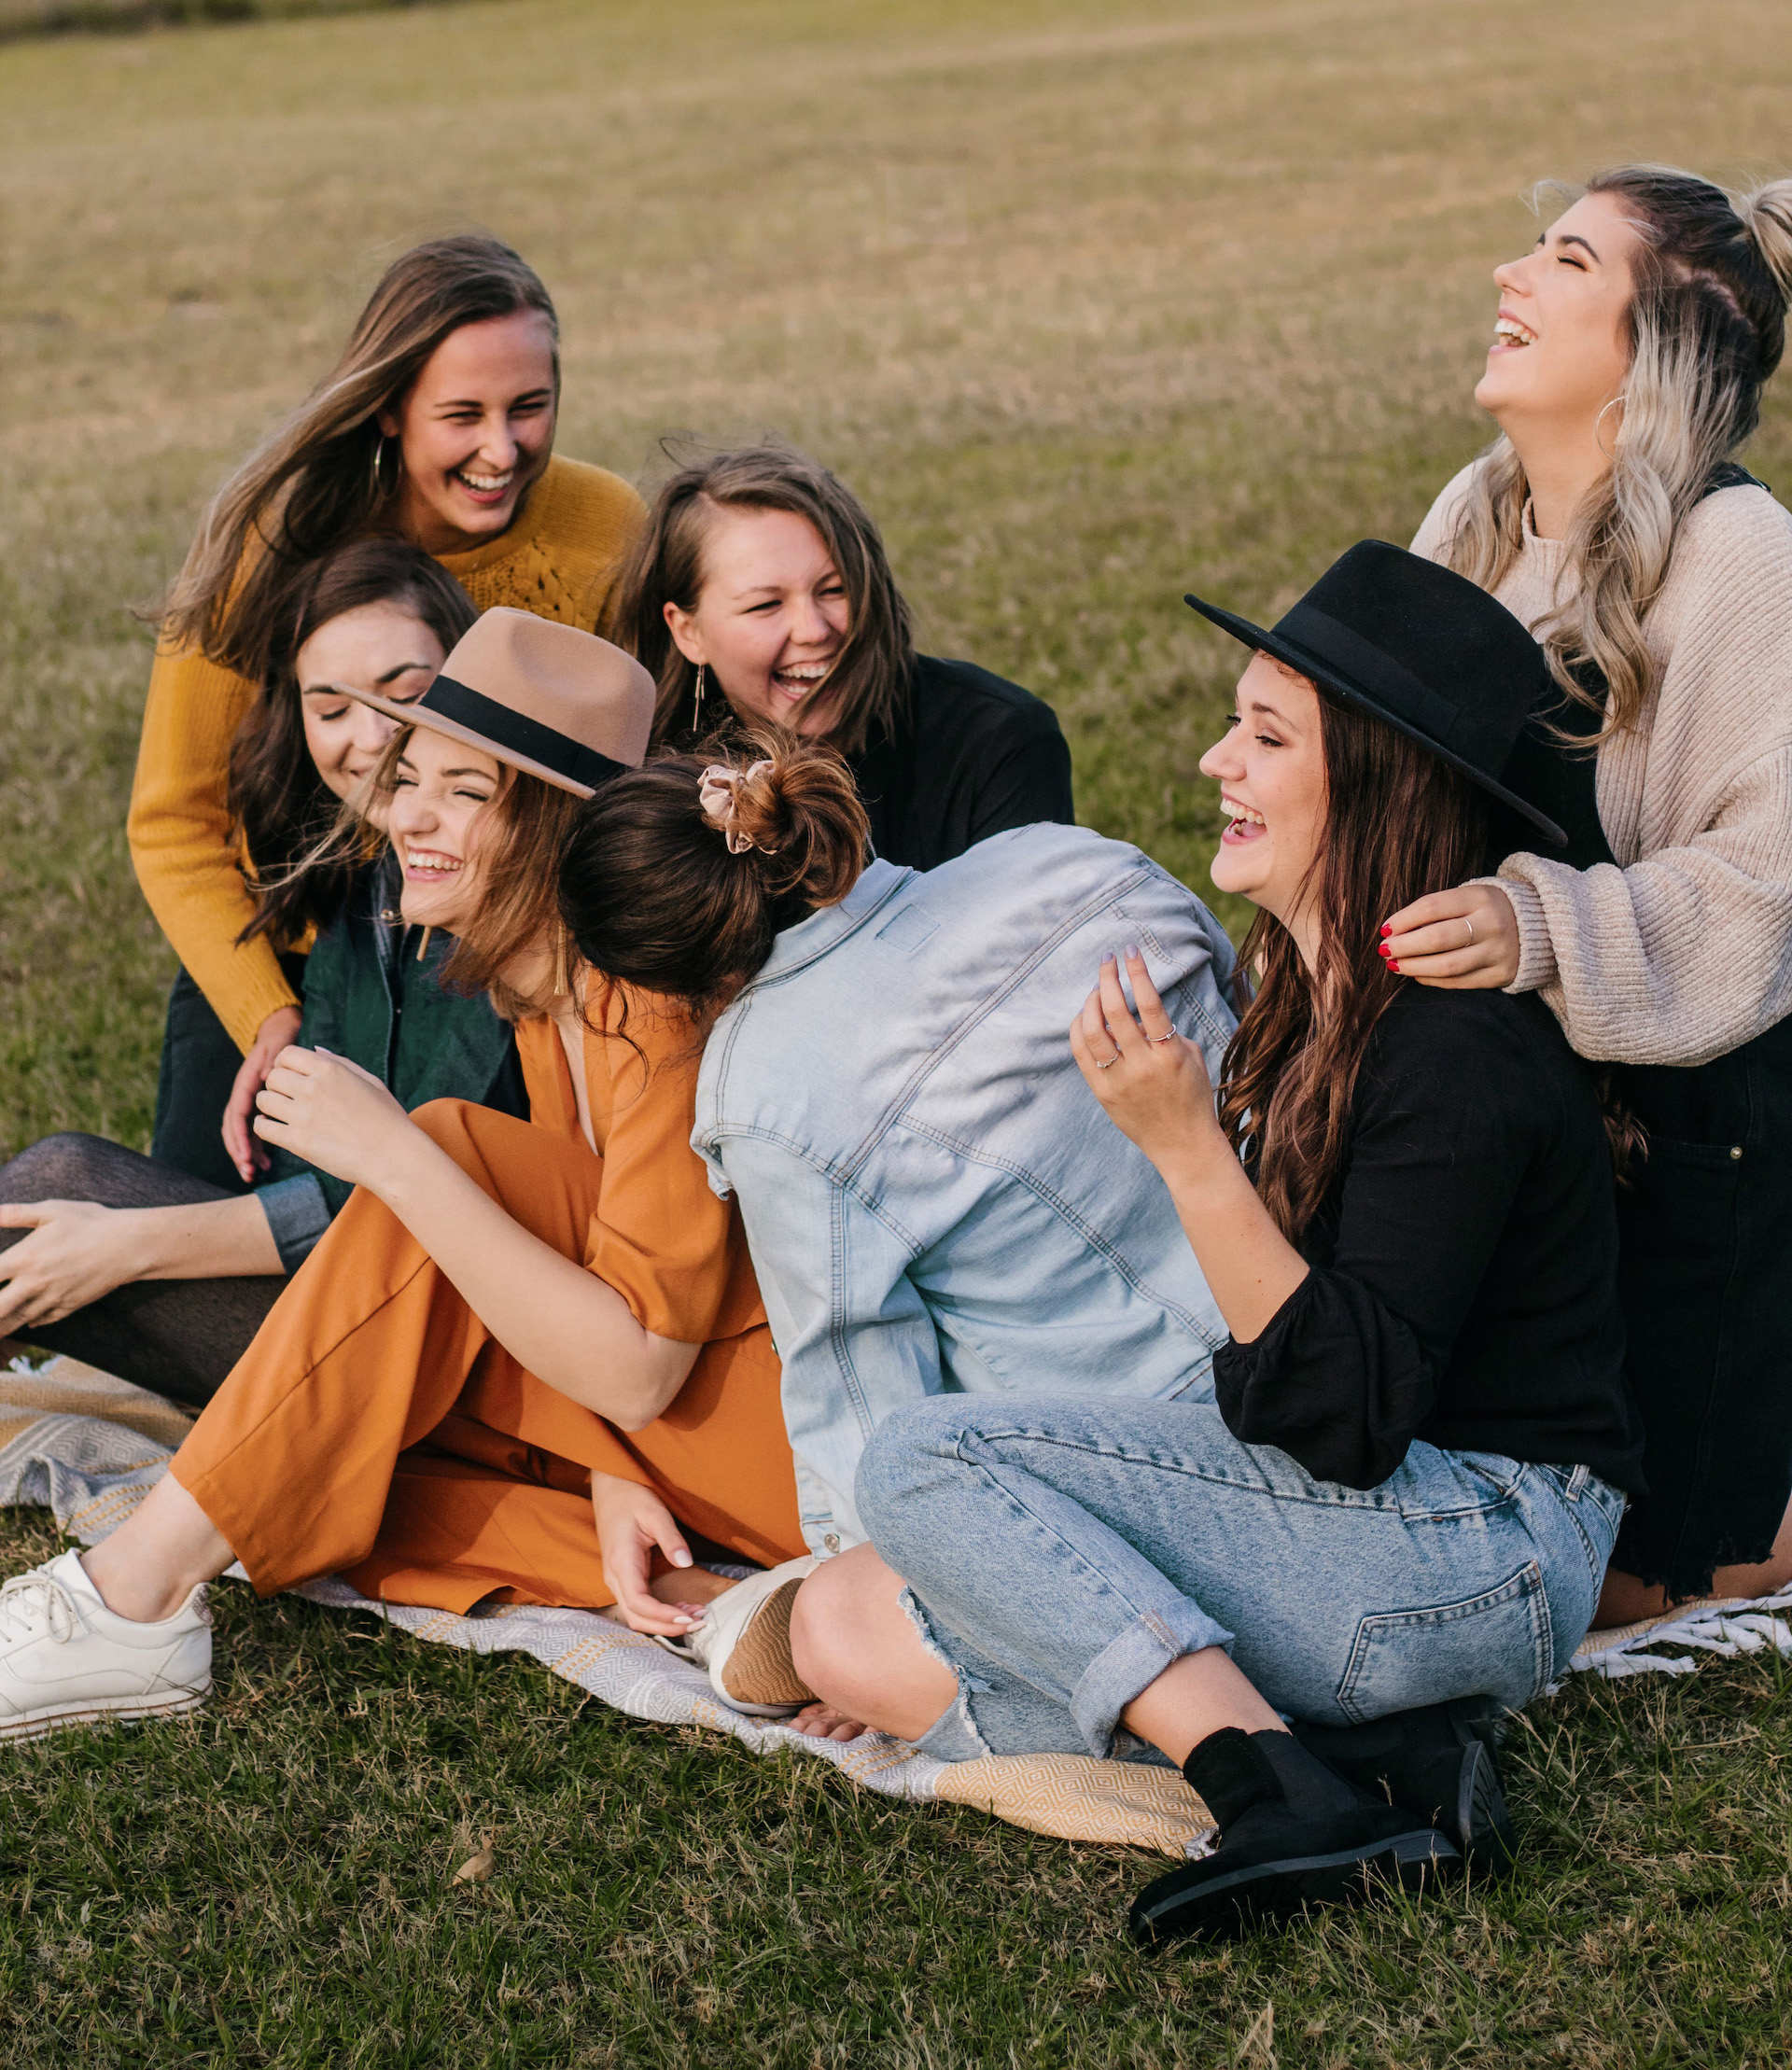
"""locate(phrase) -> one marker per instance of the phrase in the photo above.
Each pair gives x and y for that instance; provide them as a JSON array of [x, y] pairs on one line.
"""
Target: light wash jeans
[[1061, 1554]]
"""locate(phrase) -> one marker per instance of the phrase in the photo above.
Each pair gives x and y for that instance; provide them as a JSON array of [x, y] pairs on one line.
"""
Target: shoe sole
[[119, 1711], [1272, 1892], [1484, 1829], [760, 1669]]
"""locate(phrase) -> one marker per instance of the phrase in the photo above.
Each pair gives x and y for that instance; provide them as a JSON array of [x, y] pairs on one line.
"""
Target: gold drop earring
[[697, 702]]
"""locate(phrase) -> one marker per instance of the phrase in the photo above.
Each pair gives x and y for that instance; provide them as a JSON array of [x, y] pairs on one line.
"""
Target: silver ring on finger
[[1470, 926], [1107, 1064], [1170, 1038]]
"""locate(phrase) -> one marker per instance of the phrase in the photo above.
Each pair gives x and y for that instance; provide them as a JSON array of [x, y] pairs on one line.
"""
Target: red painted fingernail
[[1384, 950], [1391, 964], [1387, 931]]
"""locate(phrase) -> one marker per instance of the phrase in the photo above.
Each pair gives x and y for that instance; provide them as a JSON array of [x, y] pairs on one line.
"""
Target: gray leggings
[[179, 1336]]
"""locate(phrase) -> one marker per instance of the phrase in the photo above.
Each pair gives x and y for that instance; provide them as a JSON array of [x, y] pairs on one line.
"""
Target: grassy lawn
[[1092, 305]]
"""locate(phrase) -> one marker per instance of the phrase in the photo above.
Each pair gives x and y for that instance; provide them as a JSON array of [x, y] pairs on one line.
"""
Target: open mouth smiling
[[800, 680], [429, 865], [1243, 823]]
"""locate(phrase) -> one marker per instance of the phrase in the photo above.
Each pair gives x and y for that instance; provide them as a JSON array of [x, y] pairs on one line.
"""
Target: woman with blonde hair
[[436, 424], [759, 592], [1630, 353]]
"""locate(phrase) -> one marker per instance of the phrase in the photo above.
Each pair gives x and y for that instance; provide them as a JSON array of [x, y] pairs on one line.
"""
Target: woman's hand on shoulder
[[1463, 939], [1151, 1081], [279, 1031], [333, 1114], [76, 1251]]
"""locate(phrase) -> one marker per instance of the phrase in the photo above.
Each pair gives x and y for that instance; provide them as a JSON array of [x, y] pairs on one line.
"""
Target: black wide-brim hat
[[1422, 649]]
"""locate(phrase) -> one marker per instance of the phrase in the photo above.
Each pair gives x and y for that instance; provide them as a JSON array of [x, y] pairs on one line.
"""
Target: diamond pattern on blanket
[[90, 1448]]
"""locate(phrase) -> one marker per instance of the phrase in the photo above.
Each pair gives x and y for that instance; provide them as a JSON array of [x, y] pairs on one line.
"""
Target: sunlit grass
[[1093, 305]]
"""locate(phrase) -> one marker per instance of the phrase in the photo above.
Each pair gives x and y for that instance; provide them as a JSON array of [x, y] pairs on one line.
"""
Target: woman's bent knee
[[59, 1167], [820, 1629]]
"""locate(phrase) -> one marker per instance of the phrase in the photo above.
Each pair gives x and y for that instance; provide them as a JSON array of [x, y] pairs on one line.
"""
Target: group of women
[[657, 1082]]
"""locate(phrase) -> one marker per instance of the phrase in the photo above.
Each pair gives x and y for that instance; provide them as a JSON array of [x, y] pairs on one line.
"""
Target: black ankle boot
[[1439, 1763], [1292, 1834]]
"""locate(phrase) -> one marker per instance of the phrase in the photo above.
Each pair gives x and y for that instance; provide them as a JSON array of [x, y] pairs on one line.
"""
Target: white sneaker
[[743, 1642], [67, 1660]]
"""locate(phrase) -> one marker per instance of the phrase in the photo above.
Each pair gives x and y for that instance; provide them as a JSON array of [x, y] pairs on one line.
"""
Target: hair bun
[[1767, 216], [797, 803]]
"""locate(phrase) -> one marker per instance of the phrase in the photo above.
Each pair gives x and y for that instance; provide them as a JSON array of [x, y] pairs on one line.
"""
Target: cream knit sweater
[[1685, 951]]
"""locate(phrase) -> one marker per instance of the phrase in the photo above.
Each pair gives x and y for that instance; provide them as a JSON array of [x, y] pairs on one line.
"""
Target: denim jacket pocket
[[1498, 1644]]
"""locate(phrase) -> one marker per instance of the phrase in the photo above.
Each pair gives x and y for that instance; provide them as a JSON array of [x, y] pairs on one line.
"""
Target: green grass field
[[1091, 304]]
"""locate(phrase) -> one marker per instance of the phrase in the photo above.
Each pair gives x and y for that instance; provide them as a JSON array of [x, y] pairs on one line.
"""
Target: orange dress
[[376, 1429]]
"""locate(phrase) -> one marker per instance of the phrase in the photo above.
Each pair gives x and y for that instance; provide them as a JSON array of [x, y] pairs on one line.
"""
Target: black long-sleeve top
[[973, 755], [1463, 1280]]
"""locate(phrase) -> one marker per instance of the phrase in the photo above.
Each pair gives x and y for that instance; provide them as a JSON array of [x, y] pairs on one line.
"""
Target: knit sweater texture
[[559, 558], [1683, 951]]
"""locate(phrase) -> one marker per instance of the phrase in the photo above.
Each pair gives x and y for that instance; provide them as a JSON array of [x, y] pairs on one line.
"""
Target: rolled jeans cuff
[[1131, 1661], [972, 1726]]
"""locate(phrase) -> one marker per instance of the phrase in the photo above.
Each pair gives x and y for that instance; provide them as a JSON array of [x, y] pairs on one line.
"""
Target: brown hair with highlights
[[317, 481], [868, 686], [280, 808], [1399, 823], [652, 896], [520, 834]]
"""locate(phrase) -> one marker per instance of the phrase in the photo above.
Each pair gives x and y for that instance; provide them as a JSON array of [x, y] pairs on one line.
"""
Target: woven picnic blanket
[[89, 1447]]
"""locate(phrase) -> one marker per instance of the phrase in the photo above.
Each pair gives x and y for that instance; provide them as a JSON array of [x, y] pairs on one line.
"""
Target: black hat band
[[528, 737]]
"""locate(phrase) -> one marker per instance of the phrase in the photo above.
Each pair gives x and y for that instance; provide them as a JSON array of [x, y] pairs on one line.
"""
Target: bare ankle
[[142, 1599]]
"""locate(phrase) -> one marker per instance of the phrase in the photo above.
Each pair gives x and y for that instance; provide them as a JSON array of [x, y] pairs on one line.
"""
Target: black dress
[[972, 755], [1705, 1257]]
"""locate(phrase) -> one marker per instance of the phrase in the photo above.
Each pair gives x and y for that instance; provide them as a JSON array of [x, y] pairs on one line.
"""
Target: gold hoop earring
[[697, 702], [381, 490], [1599, 442]]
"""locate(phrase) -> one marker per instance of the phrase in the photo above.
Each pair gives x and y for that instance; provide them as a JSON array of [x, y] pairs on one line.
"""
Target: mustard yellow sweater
[[559, 558]]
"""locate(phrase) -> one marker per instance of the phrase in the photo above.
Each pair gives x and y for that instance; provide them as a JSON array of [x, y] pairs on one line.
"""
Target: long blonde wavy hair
[[318, 481], [1706, 323]]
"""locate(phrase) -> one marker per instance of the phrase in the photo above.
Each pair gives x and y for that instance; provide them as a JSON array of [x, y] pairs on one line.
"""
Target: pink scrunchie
[[719, 794]]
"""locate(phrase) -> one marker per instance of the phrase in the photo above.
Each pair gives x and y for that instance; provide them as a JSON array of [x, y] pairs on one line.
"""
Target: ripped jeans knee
[[994, 1712]]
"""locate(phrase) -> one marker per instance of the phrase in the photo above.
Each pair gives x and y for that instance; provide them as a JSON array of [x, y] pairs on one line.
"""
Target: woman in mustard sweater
[[436, 424]]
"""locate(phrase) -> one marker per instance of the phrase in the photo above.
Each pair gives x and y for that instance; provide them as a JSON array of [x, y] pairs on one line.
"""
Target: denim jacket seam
[[1067, 1214], [766, 978], [1017, 974], [842, 1183]]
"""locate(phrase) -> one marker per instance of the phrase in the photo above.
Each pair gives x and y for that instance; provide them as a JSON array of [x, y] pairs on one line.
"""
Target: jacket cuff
[[298, 1215], [1536, 952]]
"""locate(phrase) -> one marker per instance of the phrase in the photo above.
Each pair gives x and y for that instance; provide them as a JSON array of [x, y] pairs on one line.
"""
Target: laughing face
[[474, 431], [380, 647], [1271, 768], [441, 794], [770, 619], [1560, 349]]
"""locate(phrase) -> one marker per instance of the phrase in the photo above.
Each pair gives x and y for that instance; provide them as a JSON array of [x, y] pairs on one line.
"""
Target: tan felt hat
[[548, 699]]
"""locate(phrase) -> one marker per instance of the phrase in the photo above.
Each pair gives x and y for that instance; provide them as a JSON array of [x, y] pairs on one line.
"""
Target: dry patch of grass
[[1093, 306]]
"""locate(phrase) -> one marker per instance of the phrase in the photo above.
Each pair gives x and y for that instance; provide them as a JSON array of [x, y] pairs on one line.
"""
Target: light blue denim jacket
[[933, 1198]]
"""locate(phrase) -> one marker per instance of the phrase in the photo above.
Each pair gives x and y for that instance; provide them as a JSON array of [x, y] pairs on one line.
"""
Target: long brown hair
[[1399, 823], [280, 807], [317, 481], [521, 833], [1706, 327], [869, 683], [651, 895]]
